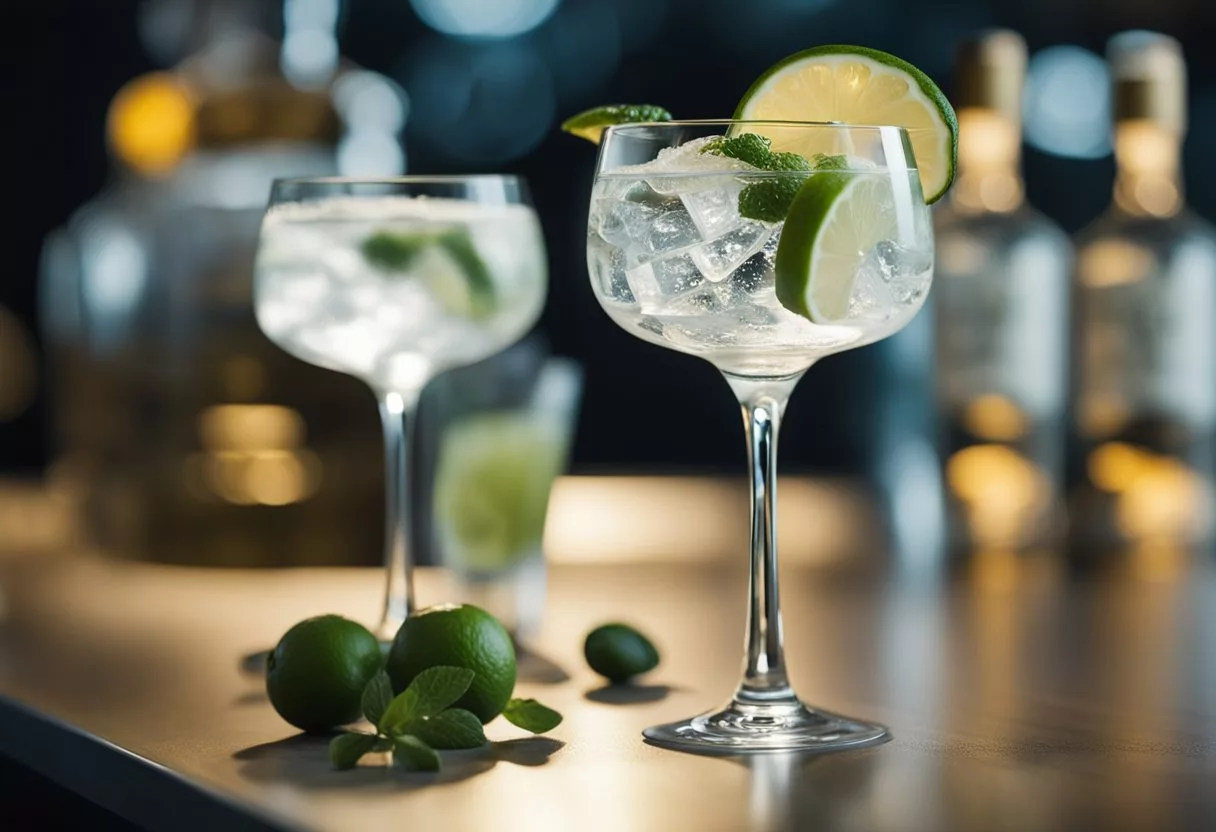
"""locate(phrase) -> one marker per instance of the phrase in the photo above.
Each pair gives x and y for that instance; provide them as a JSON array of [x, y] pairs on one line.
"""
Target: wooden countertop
[[1020, 698]]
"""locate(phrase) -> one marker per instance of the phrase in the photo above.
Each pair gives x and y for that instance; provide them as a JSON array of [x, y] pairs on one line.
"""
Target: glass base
[[743, 728]]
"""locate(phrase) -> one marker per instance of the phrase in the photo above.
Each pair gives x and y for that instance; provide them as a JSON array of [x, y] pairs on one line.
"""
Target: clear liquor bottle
[[1144, 354], [181, 432], [1001, 299]]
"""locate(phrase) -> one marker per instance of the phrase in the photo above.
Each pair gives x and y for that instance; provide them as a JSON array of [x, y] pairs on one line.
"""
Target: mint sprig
[[432, 691], [421, 719], [769, 200]]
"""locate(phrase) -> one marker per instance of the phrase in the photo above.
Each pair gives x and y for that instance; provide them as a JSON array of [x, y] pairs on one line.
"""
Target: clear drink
[[474, 283], [673, 262], [394, 281], [760, 246]]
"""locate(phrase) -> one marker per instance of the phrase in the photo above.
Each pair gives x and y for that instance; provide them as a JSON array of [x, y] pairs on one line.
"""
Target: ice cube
[[659, 282], [906, 270], [714, 211], [688, 158], [645, 231], [722, 255], [871, 298], [607, 265]]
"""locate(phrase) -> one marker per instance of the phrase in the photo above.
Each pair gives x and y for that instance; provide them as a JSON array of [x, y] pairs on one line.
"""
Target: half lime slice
[[856, 85], [446, 261], [836, 219], [591, 124]]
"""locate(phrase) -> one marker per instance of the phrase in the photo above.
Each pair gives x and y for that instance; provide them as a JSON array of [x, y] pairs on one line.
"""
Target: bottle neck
[[1148, 180], [989, 176]]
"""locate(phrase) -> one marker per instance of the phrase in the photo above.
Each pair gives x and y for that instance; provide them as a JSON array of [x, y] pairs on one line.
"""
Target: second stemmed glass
[[676, 259], [394, 281]]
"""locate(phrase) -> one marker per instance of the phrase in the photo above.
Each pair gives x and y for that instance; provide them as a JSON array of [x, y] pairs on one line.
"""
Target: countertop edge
[[135, 788]]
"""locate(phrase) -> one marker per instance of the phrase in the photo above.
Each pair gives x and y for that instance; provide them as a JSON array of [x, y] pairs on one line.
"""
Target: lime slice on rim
[[835, 220], [591, 124], [856, 85]]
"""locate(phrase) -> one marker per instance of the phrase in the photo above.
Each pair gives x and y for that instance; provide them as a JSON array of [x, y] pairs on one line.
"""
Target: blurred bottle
[[1145, 340], [185, 435], [1000, 296]]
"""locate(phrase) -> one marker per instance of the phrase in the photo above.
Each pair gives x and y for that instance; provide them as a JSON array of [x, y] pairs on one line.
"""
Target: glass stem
[[397, 417], [764, 677]]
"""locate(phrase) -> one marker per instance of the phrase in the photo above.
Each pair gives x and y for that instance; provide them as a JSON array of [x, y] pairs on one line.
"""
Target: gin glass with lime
[[395, 281], [763, 244]]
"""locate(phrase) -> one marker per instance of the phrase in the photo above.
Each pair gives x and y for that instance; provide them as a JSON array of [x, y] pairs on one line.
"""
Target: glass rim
[[720, 122], [402, 179]]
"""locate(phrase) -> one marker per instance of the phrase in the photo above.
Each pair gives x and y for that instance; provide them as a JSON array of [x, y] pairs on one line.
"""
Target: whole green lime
[[316, 674], [458, 635], [618, 652]]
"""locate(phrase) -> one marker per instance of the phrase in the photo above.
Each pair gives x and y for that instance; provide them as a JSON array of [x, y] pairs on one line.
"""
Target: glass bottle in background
[[1001, 309], [183, 434], [1145, 334]]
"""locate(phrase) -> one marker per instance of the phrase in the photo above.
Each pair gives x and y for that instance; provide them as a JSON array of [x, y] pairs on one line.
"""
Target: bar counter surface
[[1020, 696]]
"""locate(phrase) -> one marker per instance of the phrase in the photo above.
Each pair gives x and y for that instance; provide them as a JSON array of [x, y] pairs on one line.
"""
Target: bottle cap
[[1149, 76], [990, 69]]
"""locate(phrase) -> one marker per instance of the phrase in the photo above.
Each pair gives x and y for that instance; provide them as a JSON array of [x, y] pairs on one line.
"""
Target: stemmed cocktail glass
[[394, 281], [693, 250]]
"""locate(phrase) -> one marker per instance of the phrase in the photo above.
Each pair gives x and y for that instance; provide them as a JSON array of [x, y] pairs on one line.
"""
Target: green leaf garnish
[[531, 716], [376, 697], [432, 690], [395, 252], [468, 292], [345, 750], [768, 200], [414, 755], [454, 728], [752, 148]]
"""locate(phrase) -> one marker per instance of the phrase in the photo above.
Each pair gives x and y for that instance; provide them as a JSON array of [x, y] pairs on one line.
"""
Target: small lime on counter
[[618, 652]]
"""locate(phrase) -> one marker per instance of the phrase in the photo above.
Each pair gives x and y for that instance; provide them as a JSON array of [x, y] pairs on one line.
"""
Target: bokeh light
[[150, 124], [480, 103], [369, 100], [370, 153], [310, 48], [484, 18], [115, 272], [1066, 105]]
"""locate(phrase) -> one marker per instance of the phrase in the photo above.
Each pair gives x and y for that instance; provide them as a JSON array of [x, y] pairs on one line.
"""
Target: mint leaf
[[822, 161], [531, 716], [415, 755], [432, 690], [345, 750], [395, 251], [752, 148], [376, 697], [769, 200], [452, 729], [788, 161]]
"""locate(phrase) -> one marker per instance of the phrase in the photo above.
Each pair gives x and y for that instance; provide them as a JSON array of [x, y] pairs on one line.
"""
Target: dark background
[[61, 62]]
